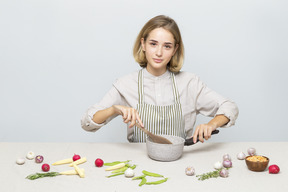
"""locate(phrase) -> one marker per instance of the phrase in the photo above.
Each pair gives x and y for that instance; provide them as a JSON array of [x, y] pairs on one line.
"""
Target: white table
[[200, 156]]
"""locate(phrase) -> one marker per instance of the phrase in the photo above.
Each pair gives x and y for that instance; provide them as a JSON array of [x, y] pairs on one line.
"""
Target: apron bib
[[160, 120]]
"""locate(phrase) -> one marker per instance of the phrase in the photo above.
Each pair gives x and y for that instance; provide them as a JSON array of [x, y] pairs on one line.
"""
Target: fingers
[[202, 131]]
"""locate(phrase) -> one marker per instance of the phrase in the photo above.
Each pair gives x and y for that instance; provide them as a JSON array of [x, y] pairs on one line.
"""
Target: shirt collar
[[153, 77]]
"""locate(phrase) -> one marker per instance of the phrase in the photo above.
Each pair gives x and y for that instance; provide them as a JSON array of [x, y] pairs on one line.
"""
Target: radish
[[76, 157], [99, 162], [45, 167], [274, 169]]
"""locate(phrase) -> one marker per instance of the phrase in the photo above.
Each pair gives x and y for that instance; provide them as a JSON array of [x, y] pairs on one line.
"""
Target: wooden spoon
[[153, 137]]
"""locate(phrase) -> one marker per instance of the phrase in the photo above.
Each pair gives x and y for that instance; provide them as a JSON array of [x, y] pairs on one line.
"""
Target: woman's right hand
[[129, 114]]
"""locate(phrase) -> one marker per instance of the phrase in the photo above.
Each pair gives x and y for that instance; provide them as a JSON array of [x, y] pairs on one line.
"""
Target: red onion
[[227, 164], [224, 173], [251, 151], [39, 159], [226, 157]]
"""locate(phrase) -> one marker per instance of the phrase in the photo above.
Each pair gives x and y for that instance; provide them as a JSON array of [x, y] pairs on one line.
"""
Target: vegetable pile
[[125, 168]]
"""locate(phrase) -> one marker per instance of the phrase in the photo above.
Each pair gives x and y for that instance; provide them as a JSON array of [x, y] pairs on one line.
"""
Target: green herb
[[212, 174], [41, 175]]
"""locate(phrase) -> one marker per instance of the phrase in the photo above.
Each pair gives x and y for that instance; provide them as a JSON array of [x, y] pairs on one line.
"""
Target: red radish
[[99, 162], [45, 167], [274, 169], [76, 157]]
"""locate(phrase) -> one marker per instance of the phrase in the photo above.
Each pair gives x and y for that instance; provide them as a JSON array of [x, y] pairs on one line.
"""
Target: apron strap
[[141, 88]]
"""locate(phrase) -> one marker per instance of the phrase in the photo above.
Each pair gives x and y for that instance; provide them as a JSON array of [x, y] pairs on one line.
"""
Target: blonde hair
[[165, 22]]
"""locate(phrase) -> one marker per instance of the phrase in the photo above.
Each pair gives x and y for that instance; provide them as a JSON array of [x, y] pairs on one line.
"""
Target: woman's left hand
[[203, 130]]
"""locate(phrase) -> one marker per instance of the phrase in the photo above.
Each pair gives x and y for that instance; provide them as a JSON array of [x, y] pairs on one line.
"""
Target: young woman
[[159, 96]]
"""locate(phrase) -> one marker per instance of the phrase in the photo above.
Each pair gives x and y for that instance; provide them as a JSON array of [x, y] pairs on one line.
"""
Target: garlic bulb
[[30, 155], [251, 151], [226, 157], [241, 156], [189, 171], [129, 173], [20, 161], [224, 173], [218, 165]]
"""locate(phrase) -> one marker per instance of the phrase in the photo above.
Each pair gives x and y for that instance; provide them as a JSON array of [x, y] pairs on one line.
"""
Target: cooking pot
[[169, 152]]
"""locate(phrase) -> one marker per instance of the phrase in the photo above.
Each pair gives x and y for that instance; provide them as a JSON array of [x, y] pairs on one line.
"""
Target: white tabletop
[[200, 156]]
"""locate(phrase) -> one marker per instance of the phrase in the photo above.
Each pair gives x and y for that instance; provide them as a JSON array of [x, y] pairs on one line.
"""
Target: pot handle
[[190, 140]]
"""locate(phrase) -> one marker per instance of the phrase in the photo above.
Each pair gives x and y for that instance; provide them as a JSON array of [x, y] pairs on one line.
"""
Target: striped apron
[[165, 120]]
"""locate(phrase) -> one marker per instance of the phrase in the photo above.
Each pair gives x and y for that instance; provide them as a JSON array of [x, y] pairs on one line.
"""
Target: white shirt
[[195, 98]]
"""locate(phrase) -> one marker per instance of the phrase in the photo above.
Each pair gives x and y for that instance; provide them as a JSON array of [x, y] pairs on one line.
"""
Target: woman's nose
[[159, 51]]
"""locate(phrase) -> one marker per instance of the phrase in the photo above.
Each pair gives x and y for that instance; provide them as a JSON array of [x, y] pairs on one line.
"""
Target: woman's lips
[[157, 60]]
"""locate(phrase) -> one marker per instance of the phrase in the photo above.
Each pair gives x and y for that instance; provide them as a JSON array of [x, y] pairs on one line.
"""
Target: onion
[[226, 157], [241, 156], [218, 165], [251, 151], [39, 159], [224, 173], [20, 161], [227, 164], [30, 155], [189, 171]]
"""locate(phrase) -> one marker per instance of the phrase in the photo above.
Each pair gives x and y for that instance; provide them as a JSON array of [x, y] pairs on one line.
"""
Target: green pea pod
[[156, 182], [123, 169], [151, 174], [144, 180], [116, 174], [139, 177], [115, 163], [133, 167], [112, 163]]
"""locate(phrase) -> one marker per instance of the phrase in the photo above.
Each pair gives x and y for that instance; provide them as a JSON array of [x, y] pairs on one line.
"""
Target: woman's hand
[[203, 130], [129, 114], [206, 129]]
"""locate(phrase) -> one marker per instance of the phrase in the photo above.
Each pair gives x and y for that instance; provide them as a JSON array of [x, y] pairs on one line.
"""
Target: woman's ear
[[175, 50], [143, 44]]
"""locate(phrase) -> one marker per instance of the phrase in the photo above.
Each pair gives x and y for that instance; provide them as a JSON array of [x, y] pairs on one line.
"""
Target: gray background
[[58, 57]]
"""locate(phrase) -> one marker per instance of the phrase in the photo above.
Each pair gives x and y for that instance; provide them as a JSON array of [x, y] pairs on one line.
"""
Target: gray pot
[[165, 152]]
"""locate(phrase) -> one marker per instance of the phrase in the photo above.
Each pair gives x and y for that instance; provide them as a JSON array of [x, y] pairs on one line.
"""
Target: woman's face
[[159, 48]]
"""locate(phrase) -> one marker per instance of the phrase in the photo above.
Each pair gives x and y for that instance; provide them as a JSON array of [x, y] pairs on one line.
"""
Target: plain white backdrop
[[58, 57]]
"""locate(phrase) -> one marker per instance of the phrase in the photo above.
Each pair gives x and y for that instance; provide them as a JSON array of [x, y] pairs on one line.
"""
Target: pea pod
[[123, 169], [115, 163], [116, 174], [156, 182], [151, 174], [144, 180], [139, 177]]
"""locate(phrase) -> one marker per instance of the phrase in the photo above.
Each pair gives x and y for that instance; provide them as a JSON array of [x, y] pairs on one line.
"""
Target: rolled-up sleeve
[[210, 103], [113, 97]]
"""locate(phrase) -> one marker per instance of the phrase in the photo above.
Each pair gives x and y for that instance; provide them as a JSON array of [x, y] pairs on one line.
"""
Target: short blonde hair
[[165, 22]]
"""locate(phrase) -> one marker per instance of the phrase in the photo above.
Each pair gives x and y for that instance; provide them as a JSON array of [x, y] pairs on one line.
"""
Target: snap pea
[[116, 174], [156, 182], [151, 174], [115, 163], [144, 180], [123, 169], [139, 177]]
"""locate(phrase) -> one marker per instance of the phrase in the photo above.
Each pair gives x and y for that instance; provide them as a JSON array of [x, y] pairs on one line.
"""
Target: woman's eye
[[167, 46], [153, 44]]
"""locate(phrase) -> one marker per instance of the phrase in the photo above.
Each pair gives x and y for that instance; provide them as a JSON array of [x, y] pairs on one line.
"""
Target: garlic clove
[[20, 161], [189, 171], [241, 156], [30, 155], [129, 173], [218, 165]]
